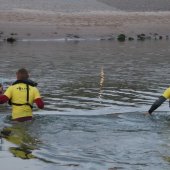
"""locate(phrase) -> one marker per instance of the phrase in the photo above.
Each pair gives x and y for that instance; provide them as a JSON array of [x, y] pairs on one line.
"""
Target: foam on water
[[55, 40]]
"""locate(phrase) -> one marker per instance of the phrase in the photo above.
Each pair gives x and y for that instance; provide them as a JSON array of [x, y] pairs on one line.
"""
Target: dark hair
[[22, 74]]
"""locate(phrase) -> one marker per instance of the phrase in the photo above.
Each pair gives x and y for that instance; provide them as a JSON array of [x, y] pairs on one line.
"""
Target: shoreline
[[25, 24]]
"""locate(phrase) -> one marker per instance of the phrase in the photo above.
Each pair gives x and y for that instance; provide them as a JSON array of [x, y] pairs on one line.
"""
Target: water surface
[[86, 125]]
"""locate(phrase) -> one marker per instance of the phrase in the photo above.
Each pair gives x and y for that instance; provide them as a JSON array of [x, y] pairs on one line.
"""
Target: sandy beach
[[39, 24]]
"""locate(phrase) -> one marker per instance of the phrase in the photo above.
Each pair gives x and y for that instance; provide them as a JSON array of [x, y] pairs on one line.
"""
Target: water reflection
[[101, 82], [18, 135]]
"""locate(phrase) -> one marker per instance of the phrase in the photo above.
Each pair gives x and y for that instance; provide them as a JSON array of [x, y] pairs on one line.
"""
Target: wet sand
[[39, 24]]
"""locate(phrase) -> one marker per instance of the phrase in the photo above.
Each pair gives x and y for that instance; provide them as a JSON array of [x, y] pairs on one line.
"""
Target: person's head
[[22, 74]]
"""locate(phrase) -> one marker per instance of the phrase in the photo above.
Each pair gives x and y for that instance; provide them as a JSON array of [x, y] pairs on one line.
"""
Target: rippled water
[[85, 126]]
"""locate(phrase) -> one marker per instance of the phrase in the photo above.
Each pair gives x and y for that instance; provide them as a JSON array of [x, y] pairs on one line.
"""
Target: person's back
[[21, 95]]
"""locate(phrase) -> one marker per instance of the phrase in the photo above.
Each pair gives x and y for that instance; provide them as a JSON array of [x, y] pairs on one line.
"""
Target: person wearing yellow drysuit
[[160, 100], [21, 95]]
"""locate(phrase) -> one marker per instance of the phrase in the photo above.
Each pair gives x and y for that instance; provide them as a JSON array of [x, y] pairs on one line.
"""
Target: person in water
[[159, 101], [21, 95]]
